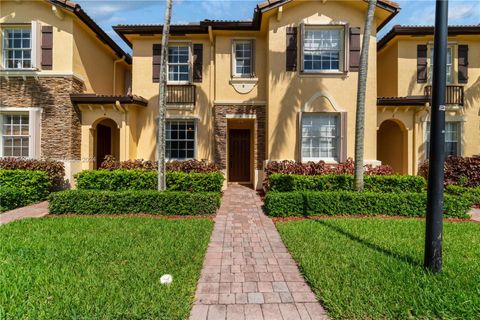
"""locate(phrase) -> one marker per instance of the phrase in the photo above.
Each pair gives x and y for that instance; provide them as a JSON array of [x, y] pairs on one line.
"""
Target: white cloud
[[464, 11], [216, 8]]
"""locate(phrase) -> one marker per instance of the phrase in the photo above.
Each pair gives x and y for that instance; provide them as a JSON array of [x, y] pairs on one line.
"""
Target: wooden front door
[[239, 155], [104, 143]]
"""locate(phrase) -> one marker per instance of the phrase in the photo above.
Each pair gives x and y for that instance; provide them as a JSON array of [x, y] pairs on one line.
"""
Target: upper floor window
[[15, 135], [178, 63], [323, 49], [17, 48], [243, 58], [320, 137], [449, 65]]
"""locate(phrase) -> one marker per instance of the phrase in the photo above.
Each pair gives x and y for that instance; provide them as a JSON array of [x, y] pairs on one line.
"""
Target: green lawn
[[100, 267], [372, 268]]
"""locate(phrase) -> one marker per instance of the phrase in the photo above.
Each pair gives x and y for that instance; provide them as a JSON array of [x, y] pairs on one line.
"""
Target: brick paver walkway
[[33, 211], [248, 272], [475, 214]]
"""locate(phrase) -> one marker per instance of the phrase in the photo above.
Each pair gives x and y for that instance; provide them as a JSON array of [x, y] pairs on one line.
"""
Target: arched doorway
[[107, 141], [392, 145]]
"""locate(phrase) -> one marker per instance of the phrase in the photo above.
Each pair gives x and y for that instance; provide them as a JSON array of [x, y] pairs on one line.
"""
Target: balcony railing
[[454, 95], [181, 94]]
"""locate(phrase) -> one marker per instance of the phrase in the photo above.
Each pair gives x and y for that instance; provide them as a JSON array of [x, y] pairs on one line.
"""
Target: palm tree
[[362, 87], [162, 98]]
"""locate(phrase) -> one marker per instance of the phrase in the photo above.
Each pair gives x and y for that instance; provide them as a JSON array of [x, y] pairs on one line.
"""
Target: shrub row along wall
[[117, 180], [339, 182], [121, 202], [284, 204], [320, 168], [54, 169], [33, 186], [186, 166], [464, 171]]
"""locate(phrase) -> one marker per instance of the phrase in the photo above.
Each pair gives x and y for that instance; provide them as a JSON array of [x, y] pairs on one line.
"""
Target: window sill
[[243, 85], [324, 73], [19, 69], [327, 161], [178, 83]]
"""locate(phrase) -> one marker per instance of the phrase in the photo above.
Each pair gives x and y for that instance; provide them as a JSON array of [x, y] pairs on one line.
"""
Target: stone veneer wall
[[61, 123], [220, 128]]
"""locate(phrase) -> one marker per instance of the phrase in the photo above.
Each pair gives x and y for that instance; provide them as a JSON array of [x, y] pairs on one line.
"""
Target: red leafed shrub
[[319, 168], [464, 171], [187, 166], [54, 169]]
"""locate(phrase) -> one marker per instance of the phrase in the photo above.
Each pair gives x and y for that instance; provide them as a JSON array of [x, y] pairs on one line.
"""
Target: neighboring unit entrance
[[107, 141], [104, 143], [239, 155]]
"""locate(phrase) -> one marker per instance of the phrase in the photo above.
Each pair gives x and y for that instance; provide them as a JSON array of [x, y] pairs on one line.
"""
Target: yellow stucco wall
[[387, 73], [415, 118], [94, 62]]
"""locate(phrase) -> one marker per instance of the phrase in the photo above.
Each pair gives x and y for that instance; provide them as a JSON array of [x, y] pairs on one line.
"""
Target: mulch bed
[[324, 217], [141, 215]]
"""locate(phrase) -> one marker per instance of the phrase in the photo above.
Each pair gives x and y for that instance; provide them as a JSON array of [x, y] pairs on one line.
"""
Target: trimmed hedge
[[123, 180], [472, 194], [147, 201], [34, 185], [11, 198], [284, 204], [338, 182]]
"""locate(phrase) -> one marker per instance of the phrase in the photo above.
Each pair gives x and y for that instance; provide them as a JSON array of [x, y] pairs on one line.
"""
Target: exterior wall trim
[[239, 103], [319, 94]]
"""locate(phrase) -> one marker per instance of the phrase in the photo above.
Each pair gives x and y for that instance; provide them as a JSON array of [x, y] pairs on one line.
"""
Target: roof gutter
[[83, 16]]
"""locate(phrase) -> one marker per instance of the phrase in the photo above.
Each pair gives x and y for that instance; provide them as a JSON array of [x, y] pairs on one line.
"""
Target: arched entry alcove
[[107, 140], [392, 145]]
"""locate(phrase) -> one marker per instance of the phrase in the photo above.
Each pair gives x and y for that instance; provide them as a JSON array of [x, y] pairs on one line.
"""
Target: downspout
[[115, 73], [211, 89]]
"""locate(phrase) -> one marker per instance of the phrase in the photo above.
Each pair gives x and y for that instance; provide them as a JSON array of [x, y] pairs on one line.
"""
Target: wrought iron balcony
[[181, 94], [454, 95]]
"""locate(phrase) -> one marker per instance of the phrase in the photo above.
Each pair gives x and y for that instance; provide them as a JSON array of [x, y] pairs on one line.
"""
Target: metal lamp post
[[433, 238]]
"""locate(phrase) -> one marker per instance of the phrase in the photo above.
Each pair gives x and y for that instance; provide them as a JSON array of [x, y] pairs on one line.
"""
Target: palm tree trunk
[[162, 99], [361, 92]]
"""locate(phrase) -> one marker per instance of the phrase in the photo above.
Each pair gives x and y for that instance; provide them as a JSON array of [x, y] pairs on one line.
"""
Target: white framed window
[[179, 63], [17, 48], [243, 51], [15, 135], [323, 49], [449, 66], [320, 135], [452, 139], [180, 139]]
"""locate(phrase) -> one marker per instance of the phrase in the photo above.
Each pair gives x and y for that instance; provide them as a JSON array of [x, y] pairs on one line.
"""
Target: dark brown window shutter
[[197, 62], [291, 63], [354, 49], [422, 63], [47, 48], [156, 56], [462, 63]]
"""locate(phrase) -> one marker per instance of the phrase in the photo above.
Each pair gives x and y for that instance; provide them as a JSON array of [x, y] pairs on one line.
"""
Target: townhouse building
[[405, 64], [50, 50], [281, 86]]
